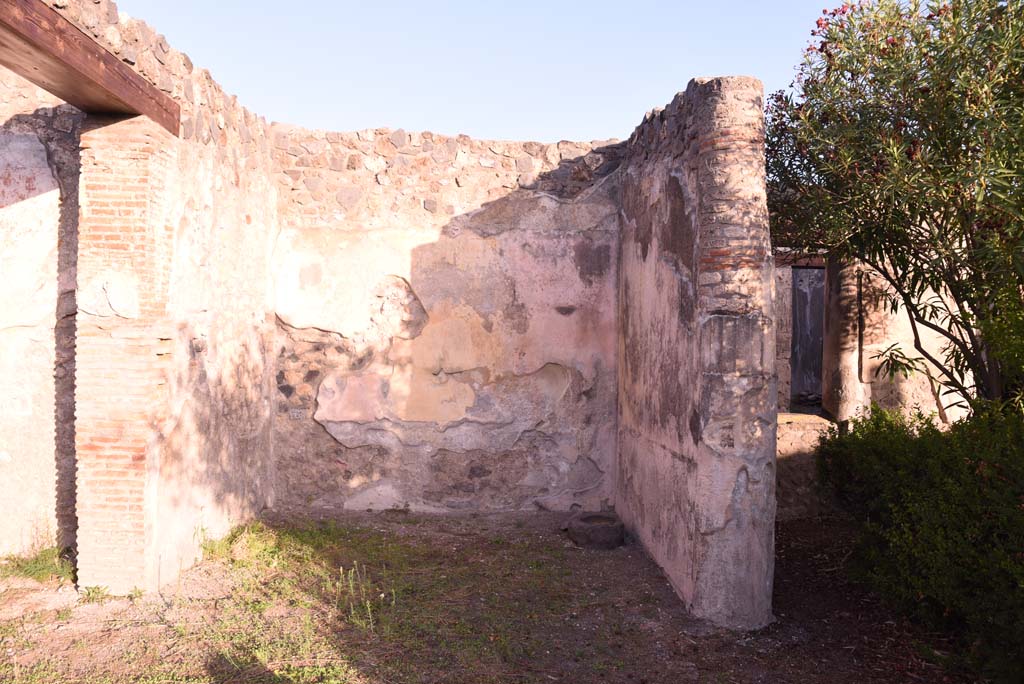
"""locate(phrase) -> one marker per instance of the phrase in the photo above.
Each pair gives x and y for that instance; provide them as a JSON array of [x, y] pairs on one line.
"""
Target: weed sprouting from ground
[[356, 594], [94, 595]]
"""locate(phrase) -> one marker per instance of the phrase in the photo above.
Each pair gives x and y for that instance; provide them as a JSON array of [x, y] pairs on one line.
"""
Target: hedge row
[[942, 515]]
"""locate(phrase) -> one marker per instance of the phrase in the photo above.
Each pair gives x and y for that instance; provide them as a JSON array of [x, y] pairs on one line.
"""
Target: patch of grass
[[8, 629], [44, 565], [320, 674], [371, 600], [43, 673], [161, 677], [324, 602], [399, 593], [217, 549]]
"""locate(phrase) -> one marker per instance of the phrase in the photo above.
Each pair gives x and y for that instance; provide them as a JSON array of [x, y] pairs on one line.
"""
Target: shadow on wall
[[880, 328], [860, 327], [458, 367], [211, 461], [57, 130]]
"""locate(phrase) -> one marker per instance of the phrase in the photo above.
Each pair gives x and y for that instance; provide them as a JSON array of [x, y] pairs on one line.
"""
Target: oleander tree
[[901, 144]]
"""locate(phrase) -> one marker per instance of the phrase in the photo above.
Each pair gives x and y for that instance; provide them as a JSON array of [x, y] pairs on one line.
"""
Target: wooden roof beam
[[39, 44]]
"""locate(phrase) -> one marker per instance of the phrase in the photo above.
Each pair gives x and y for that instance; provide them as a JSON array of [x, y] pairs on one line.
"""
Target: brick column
[[123, 346], [739, 396]]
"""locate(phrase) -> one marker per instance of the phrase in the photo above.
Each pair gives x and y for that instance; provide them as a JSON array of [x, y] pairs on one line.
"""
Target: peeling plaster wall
[[697, 394], [173, 430], [446, 322], [38, 219]]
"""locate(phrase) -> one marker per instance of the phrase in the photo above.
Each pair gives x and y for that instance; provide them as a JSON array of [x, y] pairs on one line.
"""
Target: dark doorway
[[808, 337]]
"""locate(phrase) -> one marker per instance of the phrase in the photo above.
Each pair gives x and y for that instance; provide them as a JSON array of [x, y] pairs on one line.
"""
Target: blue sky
[[529, 70]]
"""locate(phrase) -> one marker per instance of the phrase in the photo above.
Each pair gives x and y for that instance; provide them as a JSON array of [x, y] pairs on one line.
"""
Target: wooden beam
[[799, 259], [39, 44]]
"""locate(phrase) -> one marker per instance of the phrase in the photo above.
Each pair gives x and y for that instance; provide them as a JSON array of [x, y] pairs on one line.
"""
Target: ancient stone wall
[[797, 490], [446, 322], [269, 316], [208, 460], [697, 395]]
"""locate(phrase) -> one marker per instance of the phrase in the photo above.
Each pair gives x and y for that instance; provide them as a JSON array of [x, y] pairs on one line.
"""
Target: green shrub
[[942, 515]]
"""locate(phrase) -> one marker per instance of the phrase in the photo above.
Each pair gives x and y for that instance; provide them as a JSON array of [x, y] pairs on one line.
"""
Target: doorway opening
[[807, 339]]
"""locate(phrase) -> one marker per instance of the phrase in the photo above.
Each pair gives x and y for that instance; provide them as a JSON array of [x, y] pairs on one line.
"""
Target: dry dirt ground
[[400, 598]]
